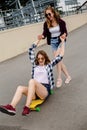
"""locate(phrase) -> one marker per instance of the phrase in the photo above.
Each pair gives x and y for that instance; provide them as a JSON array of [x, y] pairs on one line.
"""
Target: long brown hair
[[56, 15], [44, 54]]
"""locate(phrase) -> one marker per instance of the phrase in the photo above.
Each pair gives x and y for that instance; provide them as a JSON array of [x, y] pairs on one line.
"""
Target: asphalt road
[[66, 109]]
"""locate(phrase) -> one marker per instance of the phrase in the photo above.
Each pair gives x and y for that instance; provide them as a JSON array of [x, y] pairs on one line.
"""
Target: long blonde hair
[[56, 15]]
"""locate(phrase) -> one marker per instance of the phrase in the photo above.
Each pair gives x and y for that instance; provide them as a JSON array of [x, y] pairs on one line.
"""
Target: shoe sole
[[68, 81], [3, 110], [25, 114], [58, 86], [59, 83]]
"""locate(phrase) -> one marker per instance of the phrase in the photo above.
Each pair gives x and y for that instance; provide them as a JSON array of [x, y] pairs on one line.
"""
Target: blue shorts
[[47, 87], [55, 43]]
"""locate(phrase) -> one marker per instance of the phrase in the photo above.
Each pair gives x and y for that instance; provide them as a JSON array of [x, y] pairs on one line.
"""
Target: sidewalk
[[66, 109]]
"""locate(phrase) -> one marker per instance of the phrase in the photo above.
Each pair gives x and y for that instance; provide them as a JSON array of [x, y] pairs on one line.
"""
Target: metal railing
[[19, 17], [82, 8], [25, 15], [29, 14]]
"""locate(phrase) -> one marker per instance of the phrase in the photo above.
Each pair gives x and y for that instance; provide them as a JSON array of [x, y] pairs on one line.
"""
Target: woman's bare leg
[[64, 69], [59, 65], [59, 70], [35, 87], [18, 95]]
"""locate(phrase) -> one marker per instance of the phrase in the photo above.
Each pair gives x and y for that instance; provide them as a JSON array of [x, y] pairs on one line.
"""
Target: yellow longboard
[[35, 103]]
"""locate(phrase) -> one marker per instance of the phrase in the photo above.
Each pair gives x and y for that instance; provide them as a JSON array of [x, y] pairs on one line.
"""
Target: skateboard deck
[[35, 103], [34, 106]]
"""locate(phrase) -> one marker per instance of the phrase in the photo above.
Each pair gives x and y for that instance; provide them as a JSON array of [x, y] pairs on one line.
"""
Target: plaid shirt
[[49, 67]]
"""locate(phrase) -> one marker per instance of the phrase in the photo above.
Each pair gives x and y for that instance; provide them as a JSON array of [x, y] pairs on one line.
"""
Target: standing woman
[[53, 28]]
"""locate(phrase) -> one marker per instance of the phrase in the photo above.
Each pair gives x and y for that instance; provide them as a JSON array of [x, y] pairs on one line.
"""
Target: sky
[[62, 3]]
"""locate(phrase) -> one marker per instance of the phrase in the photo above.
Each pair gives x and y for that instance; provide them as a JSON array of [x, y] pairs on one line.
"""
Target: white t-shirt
[[40, 74], [55, 31]]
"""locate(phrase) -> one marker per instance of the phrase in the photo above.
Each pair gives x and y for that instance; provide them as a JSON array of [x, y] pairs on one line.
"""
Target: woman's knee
[[32, 81], [20, 89]]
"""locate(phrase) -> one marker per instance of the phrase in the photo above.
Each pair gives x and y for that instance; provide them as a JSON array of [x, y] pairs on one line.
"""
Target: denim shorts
[[55, 43], [47, 87]]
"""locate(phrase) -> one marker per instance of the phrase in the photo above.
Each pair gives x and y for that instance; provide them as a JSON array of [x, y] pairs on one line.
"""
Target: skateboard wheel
[[38, 109], [51, 92]]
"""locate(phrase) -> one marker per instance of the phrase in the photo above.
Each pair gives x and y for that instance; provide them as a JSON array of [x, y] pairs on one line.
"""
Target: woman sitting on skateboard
[[40, 84]]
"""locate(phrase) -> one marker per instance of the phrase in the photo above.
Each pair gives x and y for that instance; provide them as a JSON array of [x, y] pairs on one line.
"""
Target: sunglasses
[[40, 58], [46, 15]]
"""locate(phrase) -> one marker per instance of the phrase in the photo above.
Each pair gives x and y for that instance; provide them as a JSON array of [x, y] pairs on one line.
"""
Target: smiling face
[[49, 14], [52, 16], [41, 60]]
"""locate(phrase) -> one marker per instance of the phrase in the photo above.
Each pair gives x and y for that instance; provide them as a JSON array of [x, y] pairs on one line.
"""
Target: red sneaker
[[26, 111], [8, 109]]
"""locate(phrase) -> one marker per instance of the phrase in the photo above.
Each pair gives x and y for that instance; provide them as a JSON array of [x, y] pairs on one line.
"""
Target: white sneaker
[[68, 80]]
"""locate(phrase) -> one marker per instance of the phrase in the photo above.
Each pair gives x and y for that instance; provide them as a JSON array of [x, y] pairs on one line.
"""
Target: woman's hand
[[40, 37], [61, 49], [62, 39], [63, 36]]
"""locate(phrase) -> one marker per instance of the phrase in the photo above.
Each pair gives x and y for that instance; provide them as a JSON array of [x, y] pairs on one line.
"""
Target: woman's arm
[[44, 34], [59, 54], [31, 51], [63, 29]]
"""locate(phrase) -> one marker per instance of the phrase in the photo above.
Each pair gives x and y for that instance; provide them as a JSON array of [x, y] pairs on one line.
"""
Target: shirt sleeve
[[56, 60], [32, 53], [63, 28], [45, 30]]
